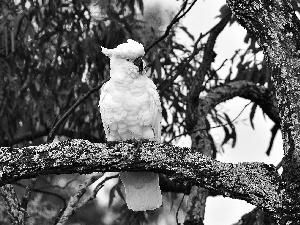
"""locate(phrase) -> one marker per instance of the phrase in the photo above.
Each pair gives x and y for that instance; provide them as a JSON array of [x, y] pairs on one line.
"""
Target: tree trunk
[[277, 30]]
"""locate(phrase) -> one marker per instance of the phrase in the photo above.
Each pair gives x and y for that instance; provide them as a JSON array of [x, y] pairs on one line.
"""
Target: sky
[[251, 144]]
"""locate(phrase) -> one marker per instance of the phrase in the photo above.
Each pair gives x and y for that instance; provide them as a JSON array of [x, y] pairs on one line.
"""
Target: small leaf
[[227, 135], [111, 195], [252, 113], [187, 32], [233, 136], [118, 189], [274, 131], [213, 146]]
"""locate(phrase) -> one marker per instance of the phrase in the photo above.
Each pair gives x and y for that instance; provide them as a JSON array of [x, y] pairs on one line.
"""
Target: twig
[[65, 213], [279, 165], [79, 101], [174, 20], [74, 204], [221, 65], [96, 190], [177, 212], [221, 125], [28, 191]]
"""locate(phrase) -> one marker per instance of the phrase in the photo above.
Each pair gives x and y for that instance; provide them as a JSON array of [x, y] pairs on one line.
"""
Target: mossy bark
[[276, 27]]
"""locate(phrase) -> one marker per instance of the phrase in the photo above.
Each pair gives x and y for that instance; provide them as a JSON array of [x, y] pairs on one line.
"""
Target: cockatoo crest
[[126, 61], [129, 50]]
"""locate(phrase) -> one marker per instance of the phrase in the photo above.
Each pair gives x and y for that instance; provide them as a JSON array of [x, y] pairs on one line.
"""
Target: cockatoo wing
[[103, 94], [156, 110]]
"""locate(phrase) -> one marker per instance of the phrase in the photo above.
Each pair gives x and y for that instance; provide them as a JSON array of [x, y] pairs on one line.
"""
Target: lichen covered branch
[[257, 183]]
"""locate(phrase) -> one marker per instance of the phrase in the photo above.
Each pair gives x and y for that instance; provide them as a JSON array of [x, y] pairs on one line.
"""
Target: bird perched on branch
[[130, 109]]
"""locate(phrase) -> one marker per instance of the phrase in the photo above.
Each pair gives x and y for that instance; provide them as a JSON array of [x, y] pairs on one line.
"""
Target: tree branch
[[208, 57], [256, 183], [244, 89], [74, 204], [16, 213], [256, 216]]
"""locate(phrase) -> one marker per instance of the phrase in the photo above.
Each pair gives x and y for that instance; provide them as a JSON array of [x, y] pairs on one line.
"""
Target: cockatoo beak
[[139, 63]]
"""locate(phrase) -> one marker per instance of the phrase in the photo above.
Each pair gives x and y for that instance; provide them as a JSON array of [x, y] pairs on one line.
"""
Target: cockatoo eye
[[128, 59], [139, 63]]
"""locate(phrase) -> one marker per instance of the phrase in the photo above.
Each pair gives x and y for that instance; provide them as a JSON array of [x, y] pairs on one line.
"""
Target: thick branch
[[208, 58], [256, 216], [257, 183], [276, 27], [196, 121], [244, 89]]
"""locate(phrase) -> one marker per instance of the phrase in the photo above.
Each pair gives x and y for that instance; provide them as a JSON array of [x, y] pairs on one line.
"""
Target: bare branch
[[208, 57], [74, 201], [28, 191], [96, 190]]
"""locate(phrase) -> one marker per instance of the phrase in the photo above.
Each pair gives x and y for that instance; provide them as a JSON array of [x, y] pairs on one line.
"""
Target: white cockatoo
[[130, 109]]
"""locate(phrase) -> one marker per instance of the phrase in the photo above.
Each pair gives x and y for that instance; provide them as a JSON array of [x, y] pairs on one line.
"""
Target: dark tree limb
[[208, 58], [256, 183], [244, 89], [255, 217], [276, 27], [196, 120]]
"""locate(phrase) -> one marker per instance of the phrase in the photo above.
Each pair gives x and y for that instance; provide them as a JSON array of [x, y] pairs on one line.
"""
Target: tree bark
[[255, 217], [277, 29], [196, 120], [256, 183]]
